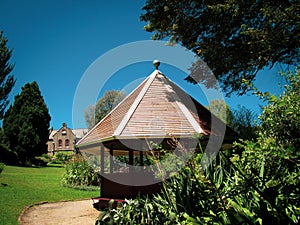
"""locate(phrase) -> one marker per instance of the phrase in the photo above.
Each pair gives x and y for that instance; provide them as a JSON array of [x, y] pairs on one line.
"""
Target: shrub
[[280, 117], [62, 157], [79, 173], [266, 181], [41, 160], [7, 156], [188, 197], [240, 191], [133, 211]]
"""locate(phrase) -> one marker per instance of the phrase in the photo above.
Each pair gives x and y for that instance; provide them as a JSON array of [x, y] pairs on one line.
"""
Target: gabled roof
[[78, 133], [61, 129], [52, 133], [157, 108]]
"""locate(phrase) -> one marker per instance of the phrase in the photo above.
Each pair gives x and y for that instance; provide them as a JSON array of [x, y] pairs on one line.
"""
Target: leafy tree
[[281, 117], [235, 38], [26, 123], [6, 81], [89, 115], [110, 99], [221, 110], [268, 168], [244, 123], [240, 120], [3, 138], [264, 185]]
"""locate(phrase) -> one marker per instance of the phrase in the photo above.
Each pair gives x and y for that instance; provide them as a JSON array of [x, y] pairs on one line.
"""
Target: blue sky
[[55, 42]]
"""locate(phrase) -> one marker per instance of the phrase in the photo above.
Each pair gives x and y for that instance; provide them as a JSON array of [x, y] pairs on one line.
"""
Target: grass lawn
[[24, 186]]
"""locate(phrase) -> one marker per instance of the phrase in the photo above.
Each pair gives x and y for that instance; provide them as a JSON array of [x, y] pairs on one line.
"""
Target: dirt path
[[60, 213]]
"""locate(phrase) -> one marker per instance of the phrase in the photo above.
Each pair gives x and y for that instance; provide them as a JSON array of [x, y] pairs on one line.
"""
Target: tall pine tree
[[26, 123], [6, 81]]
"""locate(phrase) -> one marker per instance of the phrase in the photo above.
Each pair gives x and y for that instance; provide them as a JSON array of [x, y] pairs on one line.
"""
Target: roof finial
[[156, 63]]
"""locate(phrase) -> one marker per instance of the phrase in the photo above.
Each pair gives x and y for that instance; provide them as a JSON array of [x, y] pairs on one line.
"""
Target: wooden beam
[[102, 159], [130, 160], [141, 158], [111, 160], [101, 167]]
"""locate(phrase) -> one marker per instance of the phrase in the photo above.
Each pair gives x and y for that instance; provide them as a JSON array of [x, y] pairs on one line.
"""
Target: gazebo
[[157, 111]]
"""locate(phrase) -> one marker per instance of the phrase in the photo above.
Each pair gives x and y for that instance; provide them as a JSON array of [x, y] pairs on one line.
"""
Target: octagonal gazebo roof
[[157, 108]]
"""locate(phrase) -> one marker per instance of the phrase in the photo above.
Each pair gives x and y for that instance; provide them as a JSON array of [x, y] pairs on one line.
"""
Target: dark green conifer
[[26, 123]]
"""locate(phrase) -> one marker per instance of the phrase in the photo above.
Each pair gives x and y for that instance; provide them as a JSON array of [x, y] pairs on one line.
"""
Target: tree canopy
[[280, 117], [244, 123], [94, 113], [221, 110], [7, 81], [241, 120], [236, 38], [26, 123]]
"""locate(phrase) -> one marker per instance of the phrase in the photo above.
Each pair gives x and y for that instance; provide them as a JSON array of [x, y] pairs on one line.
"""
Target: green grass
[[24, 186]]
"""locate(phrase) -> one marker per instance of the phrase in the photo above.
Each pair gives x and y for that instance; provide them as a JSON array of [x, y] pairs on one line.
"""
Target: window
[[64, 132], [60, 143], [67, 143]]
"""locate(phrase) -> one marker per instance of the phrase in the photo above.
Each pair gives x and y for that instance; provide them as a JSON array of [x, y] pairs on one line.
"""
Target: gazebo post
[[101, 167], [186, 144], [130, 159], [102, 159], [111, 159], [141, 158]]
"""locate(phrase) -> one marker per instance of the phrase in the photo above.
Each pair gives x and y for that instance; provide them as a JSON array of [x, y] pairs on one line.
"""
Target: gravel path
[[60, 213]]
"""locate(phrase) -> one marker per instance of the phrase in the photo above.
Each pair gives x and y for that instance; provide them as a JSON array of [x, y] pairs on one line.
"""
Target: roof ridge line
[[184, 109], [136, 102], [115, 108]]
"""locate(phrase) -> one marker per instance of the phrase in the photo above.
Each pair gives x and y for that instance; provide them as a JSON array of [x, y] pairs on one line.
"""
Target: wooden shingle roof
[[157, 108]]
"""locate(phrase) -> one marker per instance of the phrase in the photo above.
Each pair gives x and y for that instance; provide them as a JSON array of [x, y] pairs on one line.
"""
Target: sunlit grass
[[24, 186]]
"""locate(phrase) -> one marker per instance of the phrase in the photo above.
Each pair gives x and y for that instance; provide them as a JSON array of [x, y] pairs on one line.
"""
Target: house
[[157, 111], [64, 139]]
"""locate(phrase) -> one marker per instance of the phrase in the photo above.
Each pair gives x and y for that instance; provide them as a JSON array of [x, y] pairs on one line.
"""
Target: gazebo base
[[118, 191], [125, 189]]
